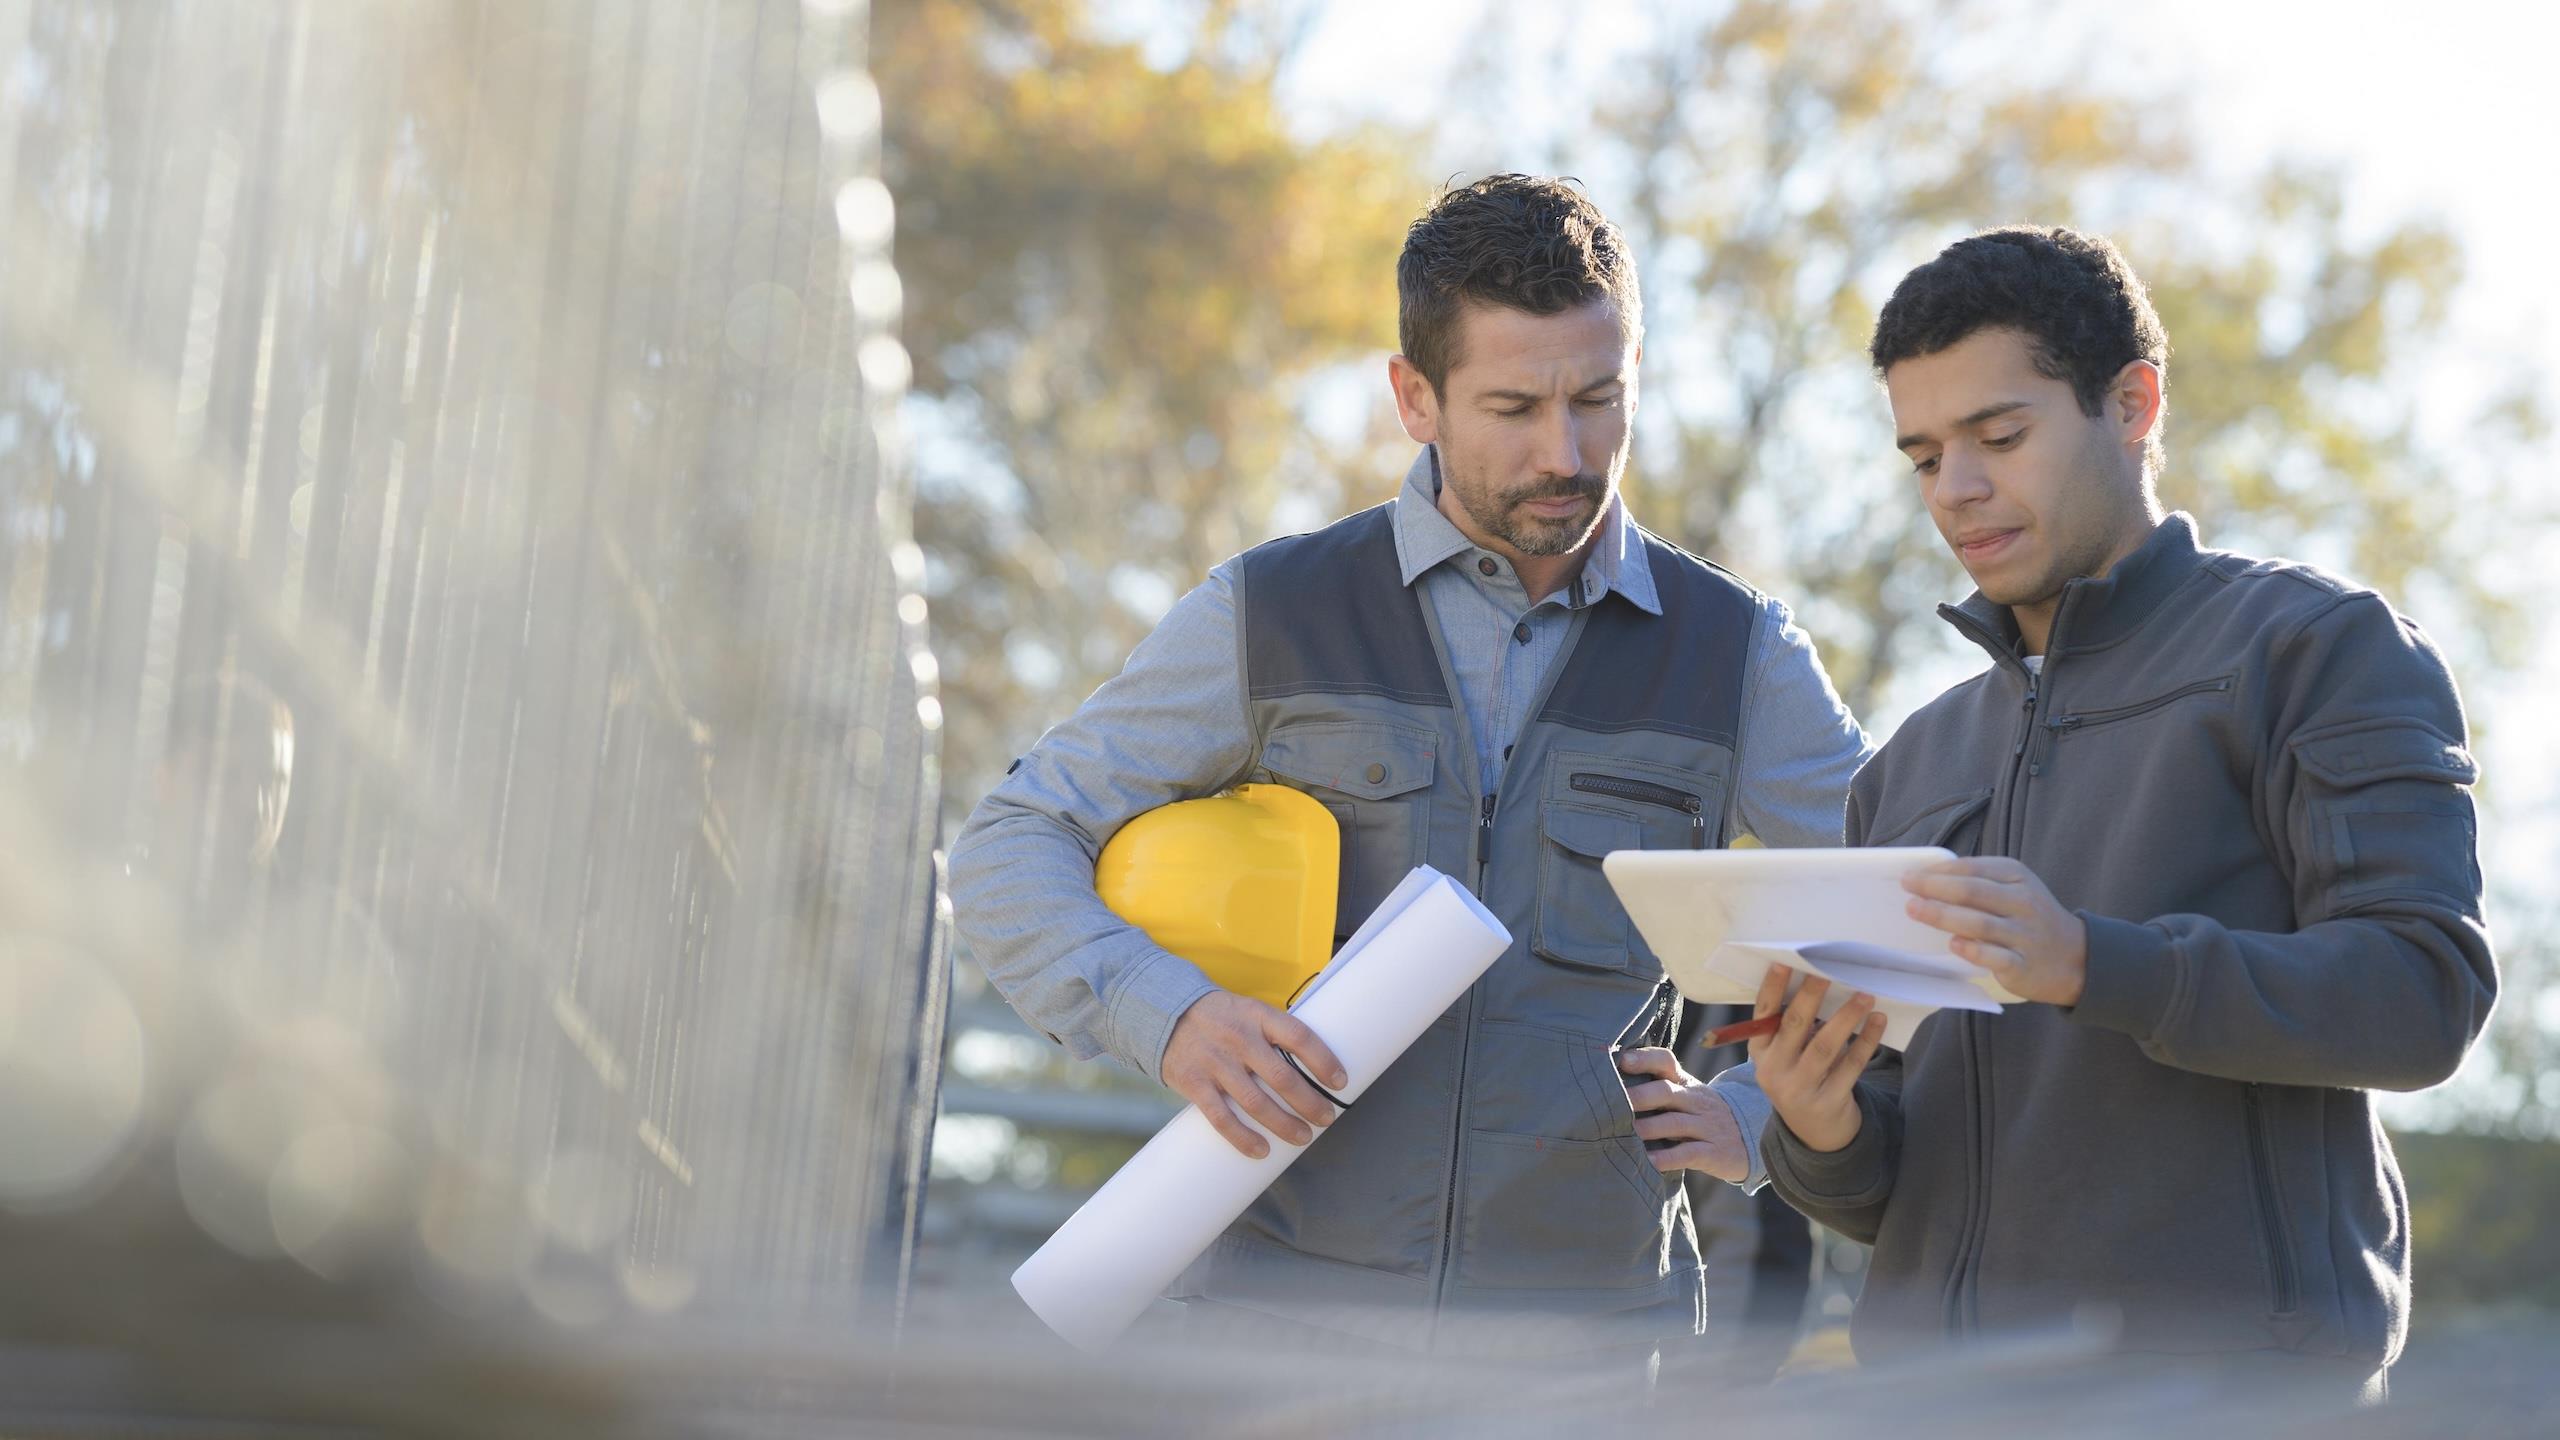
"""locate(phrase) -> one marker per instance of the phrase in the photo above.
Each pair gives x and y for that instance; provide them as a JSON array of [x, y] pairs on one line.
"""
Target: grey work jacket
[[2249, 779], [1492, 1180]]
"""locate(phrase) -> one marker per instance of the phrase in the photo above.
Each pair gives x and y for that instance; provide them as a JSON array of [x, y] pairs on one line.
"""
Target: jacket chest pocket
[[1376, 780], [1955, 822], [1593, 808]]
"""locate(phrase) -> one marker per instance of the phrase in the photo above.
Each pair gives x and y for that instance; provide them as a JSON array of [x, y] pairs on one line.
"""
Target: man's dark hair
[[2084, 312], [1519, 241]]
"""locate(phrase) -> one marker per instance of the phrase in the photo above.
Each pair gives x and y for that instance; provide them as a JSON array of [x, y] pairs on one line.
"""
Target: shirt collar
[[1425, 538]]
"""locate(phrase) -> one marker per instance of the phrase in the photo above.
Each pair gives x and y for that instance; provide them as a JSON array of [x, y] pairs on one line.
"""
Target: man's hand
[[1225, 1053], [2006, 921], [1676, 1105], [1810, 1068]]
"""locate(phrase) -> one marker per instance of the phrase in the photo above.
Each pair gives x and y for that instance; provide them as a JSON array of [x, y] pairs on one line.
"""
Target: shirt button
[[1485, 565], [1520, 632], [1377, 773]]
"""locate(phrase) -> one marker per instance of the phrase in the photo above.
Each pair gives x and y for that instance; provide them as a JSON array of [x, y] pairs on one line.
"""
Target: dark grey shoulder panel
[[1680, 672], [1328, 612]]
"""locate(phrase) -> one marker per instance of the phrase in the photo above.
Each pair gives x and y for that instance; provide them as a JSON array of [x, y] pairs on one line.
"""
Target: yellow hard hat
[[1240, 884]]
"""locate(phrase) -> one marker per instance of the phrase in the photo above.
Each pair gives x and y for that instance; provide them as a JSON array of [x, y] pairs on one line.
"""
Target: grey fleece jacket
[[2249, 779]]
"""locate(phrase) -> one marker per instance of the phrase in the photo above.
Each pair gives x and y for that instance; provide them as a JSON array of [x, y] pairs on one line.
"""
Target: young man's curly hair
[[2084, 312], [1519, 241]]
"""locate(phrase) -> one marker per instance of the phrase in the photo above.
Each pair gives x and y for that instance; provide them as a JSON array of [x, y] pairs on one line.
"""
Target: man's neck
[[2035, 621], [1540, 575]]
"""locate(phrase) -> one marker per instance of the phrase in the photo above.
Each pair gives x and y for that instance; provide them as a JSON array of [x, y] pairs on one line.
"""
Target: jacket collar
[[2094, 613]]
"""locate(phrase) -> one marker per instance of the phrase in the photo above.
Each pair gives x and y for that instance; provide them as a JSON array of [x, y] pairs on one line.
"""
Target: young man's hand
[[1810, 1068], [1677, 1106], [2006, 921], [1225, 1054]]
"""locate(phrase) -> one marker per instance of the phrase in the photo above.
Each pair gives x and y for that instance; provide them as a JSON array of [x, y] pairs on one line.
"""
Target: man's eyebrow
[[1987, 412], [1517, 397]]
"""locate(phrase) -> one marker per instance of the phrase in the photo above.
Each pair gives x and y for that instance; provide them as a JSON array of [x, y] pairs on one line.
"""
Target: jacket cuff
[[1152, 994], [2130, 980], [1857, 1173]]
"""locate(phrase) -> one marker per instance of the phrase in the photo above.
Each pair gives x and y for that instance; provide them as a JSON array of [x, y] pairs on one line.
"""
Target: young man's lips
[[1984, 546]]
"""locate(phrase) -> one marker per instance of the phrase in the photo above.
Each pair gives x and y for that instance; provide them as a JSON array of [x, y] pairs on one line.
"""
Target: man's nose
[[1961, 479], [1563, 455]]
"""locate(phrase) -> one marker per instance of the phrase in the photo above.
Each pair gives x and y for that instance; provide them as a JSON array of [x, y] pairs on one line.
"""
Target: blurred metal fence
[[466, 737]]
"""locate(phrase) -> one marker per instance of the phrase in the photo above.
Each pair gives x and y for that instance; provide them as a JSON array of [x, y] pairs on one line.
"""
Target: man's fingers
[[1725, 1160], [1213, 1107], [1973, 891], [1773, 991], [1673, 1125], [1853, 1062], [1283, 1080], [1959, 920], [1246, 1092], [1654, 1060], [2004, 963], [1838, 1031], [1292, 1034], [1652, 1095]]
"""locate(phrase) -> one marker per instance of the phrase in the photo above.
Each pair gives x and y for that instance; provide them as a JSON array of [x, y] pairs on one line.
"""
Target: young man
[[1498, 674], [2224, 846]]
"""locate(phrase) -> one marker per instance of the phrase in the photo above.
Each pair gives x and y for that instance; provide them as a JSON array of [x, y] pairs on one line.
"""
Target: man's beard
[[1502, 517]]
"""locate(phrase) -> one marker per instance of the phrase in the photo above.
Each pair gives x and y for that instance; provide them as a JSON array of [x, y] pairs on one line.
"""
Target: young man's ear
[[1417, 404], [2135, 402]]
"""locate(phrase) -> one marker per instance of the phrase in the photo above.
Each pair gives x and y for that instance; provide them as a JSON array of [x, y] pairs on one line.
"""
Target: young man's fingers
[[1853, 1062], [1773, 991], [1292, 1034], [1245, 1091], [1959, 920], [1973, 891], [2004, 963], [1837, 1032]]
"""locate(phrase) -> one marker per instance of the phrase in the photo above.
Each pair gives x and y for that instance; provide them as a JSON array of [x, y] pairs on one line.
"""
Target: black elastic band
[[1338, 1101]]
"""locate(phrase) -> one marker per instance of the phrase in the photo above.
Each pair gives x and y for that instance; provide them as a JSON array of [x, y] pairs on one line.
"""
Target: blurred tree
[[1115, 270], [1788, 162]]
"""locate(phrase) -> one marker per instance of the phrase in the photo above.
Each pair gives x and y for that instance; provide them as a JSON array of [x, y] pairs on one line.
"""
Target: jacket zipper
[[2063, 724], [2283, 1285], [1977, 1048], [1645, 792]]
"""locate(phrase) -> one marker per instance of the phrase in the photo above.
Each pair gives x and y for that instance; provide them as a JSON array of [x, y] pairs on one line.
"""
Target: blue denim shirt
[[1173, 726]]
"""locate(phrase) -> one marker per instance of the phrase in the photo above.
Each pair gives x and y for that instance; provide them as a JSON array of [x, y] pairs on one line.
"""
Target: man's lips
[[1557, 507], [1984, 545]]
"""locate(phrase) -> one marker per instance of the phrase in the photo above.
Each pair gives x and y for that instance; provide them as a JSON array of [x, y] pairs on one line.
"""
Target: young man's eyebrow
[[1987, 412]]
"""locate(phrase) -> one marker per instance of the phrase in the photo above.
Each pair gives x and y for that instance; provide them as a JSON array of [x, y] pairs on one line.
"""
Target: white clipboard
[[1718, 919]]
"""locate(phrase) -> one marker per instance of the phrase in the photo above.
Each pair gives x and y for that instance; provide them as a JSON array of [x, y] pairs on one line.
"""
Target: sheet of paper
[[1426, 944], [1907, 987]]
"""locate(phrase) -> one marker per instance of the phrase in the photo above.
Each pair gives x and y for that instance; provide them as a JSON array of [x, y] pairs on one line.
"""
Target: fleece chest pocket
[[1376, 779], [1954, 821], [2383, 809], [1593, 812]]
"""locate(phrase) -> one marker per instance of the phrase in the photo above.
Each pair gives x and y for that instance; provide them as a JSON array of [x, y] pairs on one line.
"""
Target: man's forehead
[[1986, 370], [1500, 347]]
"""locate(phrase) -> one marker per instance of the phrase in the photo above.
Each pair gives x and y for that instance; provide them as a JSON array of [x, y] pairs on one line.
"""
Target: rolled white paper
[[1426, 943]]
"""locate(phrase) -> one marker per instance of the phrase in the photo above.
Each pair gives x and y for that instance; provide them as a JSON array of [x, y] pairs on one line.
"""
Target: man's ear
[[1417, 404], [2136, 401]]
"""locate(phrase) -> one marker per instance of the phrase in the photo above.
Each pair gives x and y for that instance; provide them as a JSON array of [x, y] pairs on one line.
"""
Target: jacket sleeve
[[1799, 744], [1171, 726], [1847, 1188], [2364, 787]]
